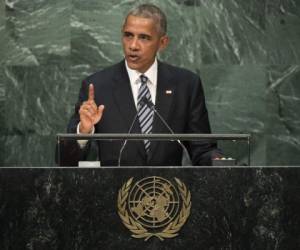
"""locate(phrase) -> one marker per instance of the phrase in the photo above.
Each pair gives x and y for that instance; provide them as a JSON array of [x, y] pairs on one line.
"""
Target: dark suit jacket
[[184, 110]]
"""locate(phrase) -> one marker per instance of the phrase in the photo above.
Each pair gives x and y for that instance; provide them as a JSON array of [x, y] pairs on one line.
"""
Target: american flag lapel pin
[[168, 92]]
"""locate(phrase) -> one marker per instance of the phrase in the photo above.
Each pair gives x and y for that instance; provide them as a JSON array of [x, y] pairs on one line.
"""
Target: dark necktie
[[145, 113]]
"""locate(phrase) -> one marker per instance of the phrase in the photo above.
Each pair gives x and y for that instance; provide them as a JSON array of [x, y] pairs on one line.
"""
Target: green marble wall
[[247, 53]]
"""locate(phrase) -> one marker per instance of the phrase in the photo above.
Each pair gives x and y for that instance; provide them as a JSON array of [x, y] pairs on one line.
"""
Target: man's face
[[141, 41]]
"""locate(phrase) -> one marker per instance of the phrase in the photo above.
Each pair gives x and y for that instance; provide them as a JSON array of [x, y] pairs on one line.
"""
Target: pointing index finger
[[91, 92]]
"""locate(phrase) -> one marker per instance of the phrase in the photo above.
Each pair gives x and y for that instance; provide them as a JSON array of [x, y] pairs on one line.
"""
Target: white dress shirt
[[135, 82]]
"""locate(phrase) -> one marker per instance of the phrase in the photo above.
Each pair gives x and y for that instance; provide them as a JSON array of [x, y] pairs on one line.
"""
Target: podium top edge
[[147, 167], [121, 136]]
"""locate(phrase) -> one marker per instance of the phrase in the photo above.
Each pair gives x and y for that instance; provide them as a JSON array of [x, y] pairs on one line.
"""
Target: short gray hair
[[153, 12]]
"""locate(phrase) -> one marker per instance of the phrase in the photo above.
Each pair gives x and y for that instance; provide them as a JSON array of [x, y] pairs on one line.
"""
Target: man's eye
[[126, 34], [145, 37]]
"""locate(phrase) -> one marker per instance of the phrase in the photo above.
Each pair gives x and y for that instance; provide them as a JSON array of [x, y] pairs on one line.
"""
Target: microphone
[[151, 105], [129, 132]]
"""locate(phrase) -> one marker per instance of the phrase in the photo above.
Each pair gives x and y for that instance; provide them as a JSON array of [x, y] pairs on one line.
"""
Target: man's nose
[[134, 44]]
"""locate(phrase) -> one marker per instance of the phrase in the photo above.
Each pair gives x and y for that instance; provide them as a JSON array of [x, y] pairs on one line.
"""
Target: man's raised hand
[[89, 113]]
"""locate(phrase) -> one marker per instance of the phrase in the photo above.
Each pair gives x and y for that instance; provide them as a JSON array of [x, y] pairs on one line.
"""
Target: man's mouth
[[133, 58]]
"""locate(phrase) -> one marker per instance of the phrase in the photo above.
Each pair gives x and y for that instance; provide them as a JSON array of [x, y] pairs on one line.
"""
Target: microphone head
[[147, 102], [142, 103]]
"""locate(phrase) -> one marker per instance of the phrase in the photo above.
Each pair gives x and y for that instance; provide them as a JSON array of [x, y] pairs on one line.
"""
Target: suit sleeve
[[202, 151]]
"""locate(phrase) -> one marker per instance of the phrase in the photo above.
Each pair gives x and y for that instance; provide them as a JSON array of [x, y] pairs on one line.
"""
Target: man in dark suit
[[109, 101]]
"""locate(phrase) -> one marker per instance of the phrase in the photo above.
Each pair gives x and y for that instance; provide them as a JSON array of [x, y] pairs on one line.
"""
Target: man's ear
[[164, 41]]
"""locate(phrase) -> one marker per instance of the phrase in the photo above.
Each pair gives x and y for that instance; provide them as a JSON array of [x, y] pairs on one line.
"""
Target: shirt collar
[[151, 73]]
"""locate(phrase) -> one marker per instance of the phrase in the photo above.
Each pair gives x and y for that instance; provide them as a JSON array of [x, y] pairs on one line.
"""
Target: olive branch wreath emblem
[[170, 231]]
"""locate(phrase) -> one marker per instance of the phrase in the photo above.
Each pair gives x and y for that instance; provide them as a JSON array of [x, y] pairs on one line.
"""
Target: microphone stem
[[125, 142], [169, 128]]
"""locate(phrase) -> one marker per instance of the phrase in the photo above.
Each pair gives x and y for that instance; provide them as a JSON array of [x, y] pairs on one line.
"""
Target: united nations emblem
[[154, 207]]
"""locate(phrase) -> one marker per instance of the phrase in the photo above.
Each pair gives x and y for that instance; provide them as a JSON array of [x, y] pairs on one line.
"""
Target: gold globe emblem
[[153, 206]]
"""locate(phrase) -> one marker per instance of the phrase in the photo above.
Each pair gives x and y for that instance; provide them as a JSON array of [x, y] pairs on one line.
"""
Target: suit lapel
[[124, 100], [123, 95], [164, 99]]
